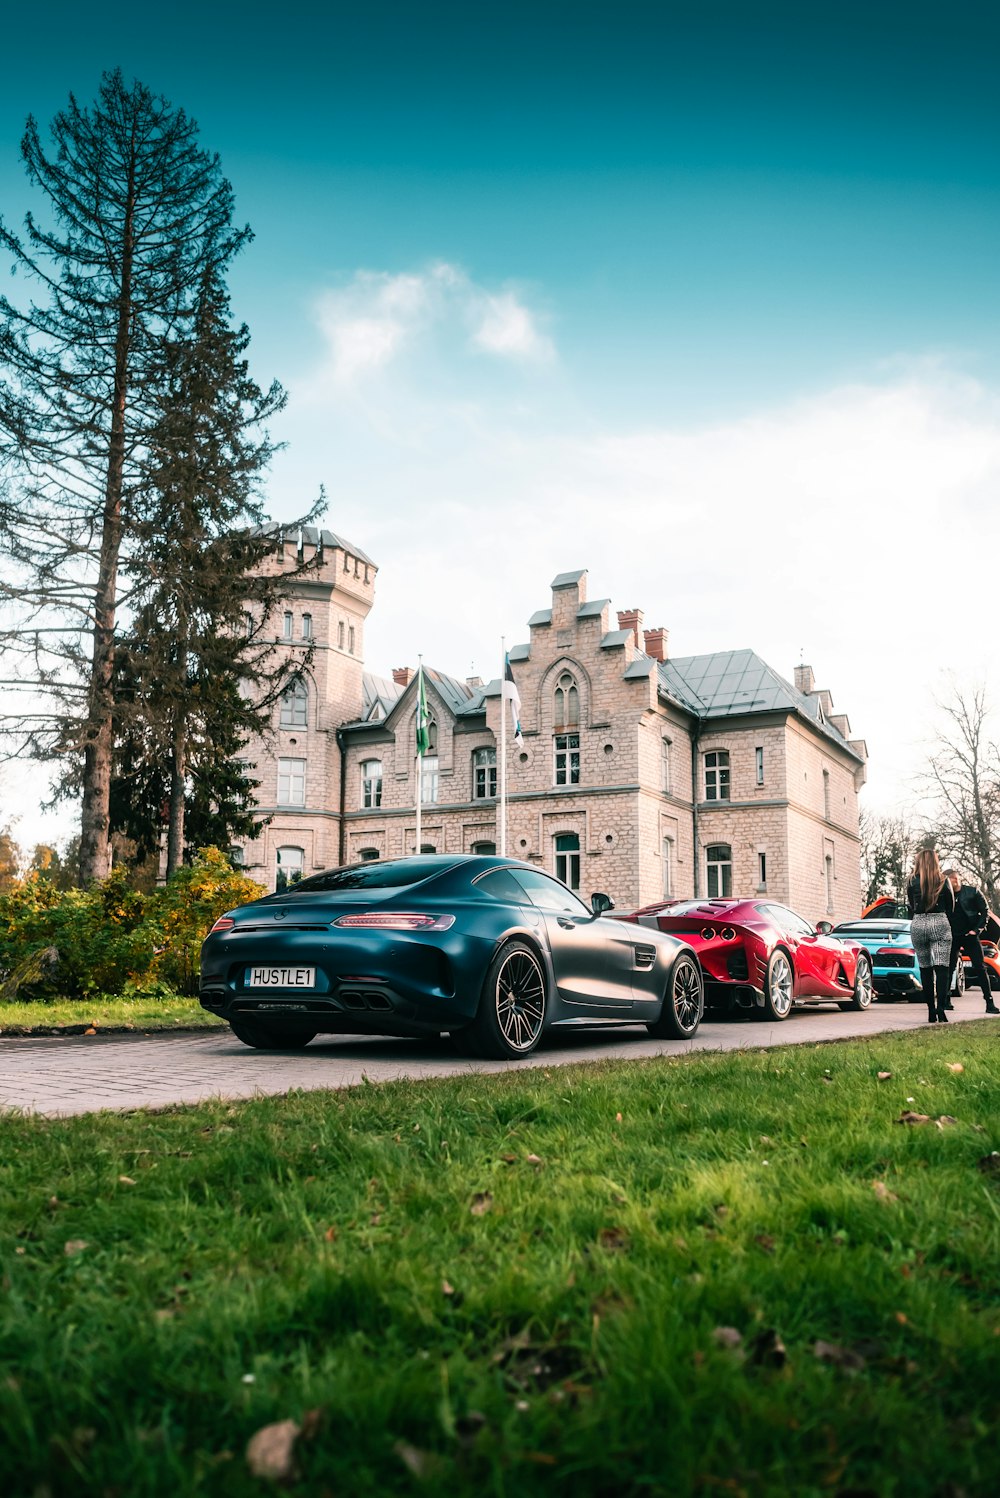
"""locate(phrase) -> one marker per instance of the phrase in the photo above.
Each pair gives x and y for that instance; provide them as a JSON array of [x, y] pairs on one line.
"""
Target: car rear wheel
[[958, 978], [779, 982], [512, 1008], [863, 990], [683, 1003], [270, 1037]]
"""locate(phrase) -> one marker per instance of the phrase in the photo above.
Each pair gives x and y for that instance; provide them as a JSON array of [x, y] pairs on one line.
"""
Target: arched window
[[286, 624], [485, 850], [371, 782], [717, 775], [566, 703], [719, 869], [568, 859], [368, 855], [295, 704], [484, 774], [307, 626], [290, 864], [427, 848]]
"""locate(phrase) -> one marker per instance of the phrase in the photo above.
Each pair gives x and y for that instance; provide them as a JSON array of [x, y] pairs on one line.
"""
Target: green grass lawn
[[74, 1016], [718, 1274]]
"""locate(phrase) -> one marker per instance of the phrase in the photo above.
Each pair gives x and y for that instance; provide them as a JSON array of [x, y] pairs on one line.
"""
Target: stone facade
[[638, 775]]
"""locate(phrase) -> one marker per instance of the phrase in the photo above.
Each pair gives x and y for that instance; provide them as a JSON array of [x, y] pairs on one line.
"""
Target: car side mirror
[[599, 903], [824, 928]]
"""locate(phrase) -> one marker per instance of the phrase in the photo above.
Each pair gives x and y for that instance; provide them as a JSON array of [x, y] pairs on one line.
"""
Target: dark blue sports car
[[493, 951]]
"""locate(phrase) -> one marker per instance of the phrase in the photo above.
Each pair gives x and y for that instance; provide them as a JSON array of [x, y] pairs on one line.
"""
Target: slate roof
[[727, 683], [311, 536], [379, 692]]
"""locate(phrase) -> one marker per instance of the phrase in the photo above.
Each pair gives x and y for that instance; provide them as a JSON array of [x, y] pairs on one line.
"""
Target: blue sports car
[[883, 928], [493, 951]]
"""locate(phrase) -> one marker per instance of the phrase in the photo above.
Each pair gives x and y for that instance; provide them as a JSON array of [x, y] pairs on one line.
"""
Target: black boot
[[942, 1018], [931, 1014], [991, 1008]]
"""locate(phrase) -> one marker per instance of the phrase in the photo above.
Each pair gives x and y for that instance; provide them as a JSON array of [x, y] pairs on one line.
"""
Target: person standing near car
[[930, 901], [969, 920]]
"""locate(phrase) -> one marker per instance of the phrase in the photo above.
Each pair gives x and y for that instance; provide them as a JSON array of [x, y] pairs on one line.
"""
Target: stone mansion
[[641, 775]]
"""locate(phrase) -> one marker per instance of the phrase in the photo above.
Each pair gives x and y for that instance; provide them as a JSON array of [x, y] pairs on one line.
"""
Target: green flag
[[423, 717]]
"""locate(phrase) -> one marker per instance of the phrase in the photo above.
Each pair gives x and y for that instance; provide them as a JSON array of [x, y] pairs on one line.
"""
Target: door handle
[[566, 923]]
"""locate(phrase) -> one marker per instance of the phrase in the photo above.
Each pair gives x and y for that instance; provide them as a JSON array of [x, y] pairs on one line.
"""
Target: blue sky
[[702, 297]]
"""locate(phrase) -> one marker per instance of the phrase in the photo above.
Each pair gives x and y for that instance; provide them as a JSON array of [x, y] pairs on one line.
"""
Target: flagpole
[[503, 748], [420, 758]]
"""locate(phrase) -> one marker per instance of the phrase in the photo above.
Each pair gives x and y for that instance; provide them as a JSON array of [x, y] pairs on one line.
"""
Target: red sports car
[[756, 954]]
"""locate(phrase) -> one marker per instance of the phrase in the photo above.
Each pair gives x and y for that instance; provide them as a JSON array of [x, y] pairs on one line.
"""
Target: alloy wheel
[[780, 984], [687, 995], [520, 1000]]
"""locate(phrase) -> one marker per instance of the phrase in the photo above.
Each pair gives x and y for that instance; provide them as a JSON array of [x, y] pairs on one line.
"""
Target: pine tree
[[185, 710], [136, 215]]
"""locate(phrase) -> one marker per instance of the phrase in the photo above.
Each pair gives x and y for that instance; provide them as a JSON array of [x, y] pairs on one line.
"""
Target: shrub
[[110, 938]]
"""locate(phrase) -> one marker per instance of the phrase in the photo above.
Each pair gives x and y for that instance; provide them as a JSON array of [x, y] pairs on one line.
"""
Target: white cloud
[[848, 525], [371, 321]]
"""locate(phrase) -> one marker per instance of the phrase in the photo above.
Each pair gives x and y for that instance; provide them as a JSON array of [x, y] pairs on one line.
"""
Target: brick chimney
[[805, 681], [656, 643], [403, 675], [631, 619]]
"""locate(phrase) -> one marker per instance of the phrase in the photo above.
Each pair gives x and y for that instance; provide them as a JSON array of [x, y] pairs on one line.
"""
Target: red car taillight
[[395, 920], [224, 923]]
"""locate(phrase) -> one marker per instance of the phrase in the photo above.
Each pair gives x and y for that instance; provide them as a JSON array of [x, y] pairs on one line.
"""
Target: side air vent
[[644, 956]]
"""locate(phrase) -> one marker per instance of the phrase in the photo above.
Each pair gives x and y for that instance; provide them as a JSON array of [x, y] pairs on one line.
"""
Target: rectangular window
[[484, 765], [429, 779], [567, 759], [371, 783], [762, 871], [350, 640], [759, 758], [717, 775], [291, 782], [668, 868], [568, 859], [307, 626], [286, 625]]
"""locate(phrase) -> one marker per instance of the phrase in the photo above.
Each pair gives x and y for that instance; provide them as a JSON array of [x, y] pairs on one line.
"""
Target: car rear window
[[394, 873]]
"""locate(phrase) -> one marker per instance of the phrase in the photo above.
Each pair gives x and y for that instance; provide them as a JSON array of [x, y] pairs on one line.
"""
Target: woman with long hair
[[931, 903]]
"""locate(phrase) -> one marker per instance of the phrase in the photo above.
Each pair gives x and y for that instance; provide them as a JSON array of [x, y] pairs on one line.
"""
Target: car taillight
[[989, 951], [395, 920], [224, 923], [708, 932]]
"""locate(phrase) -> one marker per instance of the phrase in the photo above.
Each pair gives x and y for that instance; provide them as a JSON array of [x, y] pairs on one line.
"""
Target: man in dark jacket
[[971, 915]]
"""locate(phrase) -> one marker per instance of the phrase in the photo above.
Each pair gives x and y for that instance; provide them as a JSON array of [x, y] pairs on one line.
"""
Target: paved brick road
[[80, 1074]]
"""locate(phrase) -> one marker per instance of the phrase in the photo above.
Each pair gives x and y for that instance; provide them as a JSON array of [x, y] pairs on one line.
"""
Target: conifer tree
[[135, 215], [197, 672]]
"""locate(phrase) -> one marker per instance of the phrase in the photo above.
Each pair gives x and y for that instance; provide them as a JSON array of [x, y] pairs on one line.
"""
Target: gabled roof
[[380, 695], [727, 683]]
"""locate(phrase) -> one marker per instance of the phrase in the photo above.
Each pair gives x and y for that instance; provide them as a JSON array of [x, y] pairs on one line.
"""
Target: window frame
[[371, 784], [566, 761], [280, 886], [721, 775], [291, 778], [722, 868], [293, 710], [569, 857], [484, 761]]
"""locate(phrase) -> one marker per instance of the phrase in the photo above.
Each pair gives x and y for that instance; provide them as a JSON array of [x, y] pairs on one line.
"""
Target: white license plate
[[281, 977]]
